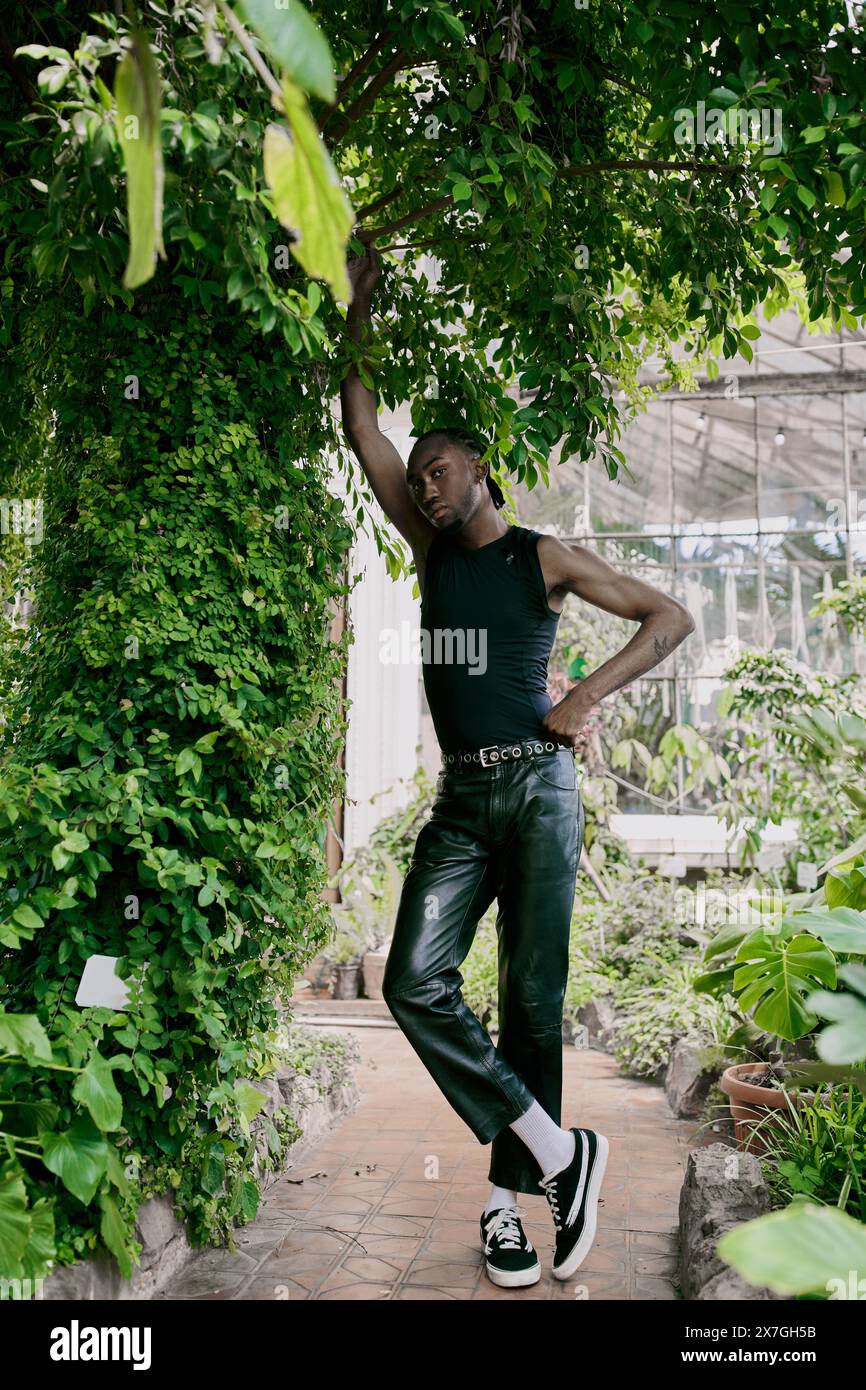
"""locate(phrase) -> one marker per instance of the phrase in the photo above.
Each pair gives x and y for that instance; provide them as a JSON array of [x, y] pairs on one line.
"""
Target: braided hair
[[475, 443]]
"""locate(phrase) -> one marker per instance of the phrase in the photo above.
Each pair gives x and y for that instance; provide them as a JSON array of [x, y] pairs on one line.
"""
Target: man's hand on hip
[[566, 722]]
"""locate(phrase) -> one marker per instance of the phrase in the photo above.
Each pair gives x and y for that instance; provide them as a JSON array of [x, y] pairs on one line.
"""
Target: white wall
[[385, 734]]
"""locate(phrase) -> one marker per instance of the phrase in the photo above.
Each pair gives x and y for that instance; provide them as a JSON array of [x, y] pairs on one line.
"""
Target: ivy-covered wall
[[169, 752]]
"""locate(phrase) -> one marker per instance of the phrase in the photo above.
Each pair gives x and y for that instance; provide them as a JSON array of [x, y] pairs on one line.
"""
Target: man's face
[[442, 483]]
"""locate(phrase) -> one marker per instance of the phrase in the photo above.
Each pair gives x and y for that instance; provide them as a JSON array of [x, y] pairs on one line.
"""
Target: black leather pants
[[512, 832]]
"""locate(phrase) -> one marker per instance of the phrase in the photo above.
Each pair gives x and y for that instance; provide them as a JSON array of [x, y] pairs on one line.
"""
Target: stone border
[[688, 1076], [723, 1188], [165, 1246]]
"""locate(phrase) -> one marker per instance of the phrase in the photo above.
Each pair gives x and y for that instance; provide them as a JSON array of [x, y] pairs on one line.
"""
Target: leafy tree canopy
[[599, 184]]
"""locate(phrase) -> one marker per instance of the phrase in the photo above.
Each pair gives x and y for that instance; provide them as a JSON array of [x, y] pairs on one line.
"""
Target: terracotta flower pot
[[752, 1104]]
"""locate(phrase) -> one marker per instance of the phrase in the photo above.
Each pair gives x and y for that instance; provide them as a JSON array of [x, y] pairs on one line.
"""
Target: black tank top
[[486, 635]]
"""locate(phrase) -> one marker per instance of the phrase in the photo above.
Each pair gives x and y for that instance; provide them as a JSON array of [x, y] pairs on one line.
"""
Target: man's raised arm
[[382, 465]]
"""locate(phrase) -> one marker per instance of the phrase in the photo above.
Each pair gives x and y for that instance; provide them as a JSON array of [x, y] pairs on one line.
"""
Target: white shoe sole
[[514, 1278], [583, 1246]]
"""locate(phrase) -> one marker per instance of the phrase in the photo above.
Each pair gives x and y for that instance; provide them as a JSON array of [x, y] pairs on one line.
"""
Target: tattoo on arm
[[661, 647]]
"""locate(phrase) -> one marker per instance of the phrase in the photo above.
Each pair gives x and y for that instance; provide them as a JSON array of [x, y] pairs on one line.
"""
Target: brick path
[[387, 1205]]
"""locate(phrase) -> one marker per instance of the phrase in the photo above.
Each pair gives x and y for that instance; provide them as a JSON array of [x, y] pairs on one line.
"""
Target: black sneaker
[[573, 1197], [511, 1258]]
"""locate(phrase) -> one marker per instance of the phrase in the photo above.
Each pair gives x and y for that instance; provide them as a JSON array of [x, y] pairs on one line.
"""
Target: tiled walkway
[[387, 1205]]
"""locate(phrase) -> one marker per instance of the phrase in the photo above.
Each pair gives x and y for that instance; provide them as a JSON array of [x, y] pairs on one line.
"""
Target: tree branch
[[428, 241], [369, 94], [569, 171], [688, 165], [378, 203], [411, 217], [352, 76]]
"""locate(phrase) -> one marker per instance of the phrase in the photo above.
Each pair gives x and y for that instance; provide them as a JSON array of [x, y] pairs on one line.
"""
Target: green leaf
[[78, 1157], [844, 1042], [209, 128], [23, 1036], [453, 25], [50, 80], [835, 187], [34, 1116], [59, 857], [40, 1244], [250, 1199], [843, 929], [38, 50], [14, 1221], [114, 1234], [185, 761], [240, 282], [813, 133], [75, 843], [308, 197], [295, 42], [95, 1088], [774, 977], [802, 1250], [250, 1101], [137, 92], [28, 918], [214, 1172]]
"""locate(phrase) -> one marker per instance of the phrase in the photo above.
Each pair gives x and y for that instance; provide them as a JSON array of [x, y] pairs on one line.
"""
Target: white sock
[[551, 1146], [500, 1197]]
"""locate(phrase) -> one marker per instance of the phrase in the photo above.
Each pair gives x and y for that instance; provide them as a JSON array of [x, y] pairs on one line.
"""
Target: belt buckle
[[491, 748]]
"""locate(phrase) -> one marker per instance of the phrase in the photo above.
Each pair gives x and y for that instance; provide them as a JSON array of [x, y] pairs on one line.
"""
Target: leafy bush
[[167, 761], [818, 1150], [656, 1007]]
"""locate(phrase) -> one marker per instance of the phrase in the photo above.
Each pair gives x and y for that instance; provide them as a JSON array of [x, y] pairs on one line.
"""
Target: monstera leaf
[[774, 976]]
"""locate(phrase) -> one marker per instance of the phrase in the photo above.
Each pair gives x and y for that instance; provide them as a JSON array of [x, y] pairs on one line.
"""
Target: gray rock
[[723, 1188], [157, 1223], [729, 1286], [598, 1018], [687, 1079]]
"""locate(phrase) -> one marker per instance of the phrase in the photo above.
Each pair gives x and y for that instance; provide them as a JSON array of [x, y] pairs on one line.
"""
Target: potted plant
[[366, 916], [386, 904], [346, 953], [757, 1097]]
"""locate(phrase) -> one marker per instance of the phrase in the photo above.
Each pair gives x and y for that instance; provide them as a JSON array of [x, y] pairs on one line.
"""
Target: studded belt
[[502, 753]]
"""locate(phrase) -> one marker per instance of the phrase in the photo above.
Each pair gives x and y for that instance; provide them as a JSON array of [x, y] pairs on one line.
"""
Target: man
[[507, 821]]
